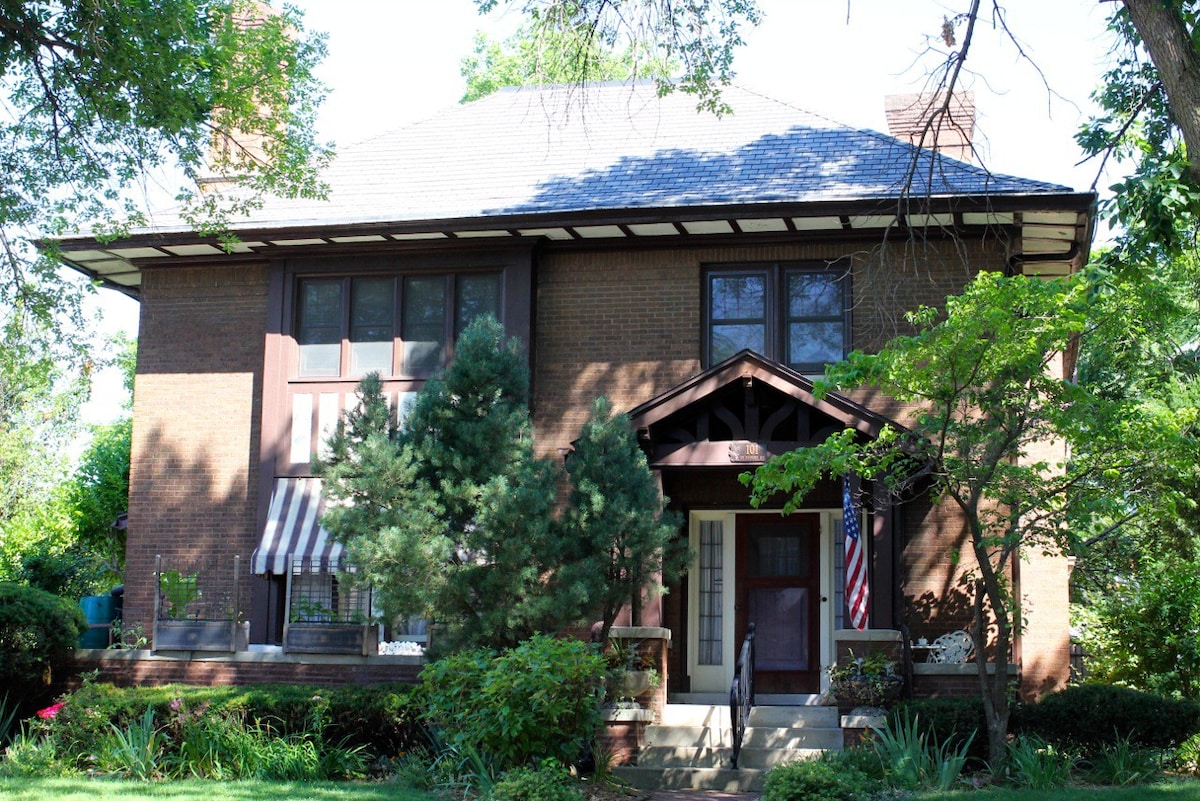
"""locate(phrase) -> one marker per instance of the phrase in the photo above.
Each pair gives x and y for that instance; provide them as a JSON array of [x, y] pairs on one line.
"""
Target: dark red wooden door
[[779, 590]]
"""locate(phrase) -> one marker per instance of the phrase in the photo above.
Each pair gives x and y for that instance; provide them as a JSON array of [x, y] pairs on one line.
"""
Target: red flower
[[49, 712]]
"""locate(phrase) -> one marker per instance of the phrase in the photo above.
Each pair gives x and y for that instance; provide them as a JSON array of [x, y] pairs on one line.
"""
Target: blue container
[[99, 612]]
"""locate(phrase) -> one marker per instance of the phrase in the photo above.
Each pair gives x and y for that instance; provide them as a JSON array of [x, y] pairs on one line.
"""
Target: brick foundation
[[142, 668]]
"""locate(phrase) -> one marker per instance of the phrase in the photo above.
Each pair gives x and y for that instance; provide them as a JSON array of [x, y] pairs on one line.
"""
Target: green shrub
[[914, 759], [135, 751], [1039, 765], [33, 755], [549, 781], [1092, 716], [382, 719], [1123, 764], [38, 632], [818, 780], [949, 721], [540, 699]]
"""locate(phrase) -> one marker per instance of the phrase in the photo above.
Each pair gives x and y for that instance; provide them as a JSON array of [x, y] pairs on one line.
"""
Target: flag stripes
[[858, 595]]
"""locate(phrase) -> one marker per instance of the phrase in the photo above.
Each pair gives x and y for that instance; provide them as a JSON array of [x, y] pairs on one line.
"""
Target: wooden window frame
[[776, 313], [452, 281]]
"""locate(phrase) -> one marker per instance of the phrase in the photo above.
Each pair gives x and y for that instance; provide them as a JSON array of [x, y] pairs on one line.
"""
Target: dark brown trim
[[750, 365], [1070, 201], [271, 440]]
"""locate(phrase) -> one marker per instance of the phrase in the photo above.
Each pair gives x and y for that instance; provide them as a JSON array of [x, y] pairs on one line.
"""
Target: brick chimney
[[921, 120], [231, 150]]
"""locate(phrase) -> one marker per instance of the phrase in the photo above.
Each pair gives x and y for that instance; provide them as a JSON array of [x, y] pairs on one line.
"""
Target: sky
[[395, 62]]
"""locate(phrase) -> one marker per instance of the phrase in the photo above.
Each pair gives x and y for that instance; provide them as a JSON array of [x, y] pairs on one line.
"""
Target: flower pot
[[878, 691], [631, 683]]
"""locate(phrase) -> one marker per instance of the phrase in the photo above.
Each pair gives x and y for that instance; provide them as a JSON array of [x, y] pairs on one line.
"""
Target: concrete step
[[663, 756], [793, 717], [695, 715], [806, 737], [716, 779], [688, 736], [827, 737], [767, 758], [787, 699], [755, 758]]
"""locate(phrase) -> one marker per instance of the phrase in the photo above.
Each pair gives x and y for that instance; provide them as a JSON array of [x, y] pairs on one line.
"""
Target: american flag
[[857, 594]]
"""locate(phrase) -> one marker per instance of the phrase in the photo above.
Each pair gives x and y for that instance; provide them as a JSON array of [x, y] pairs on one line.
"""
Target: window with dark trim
[[392, 324], [793, 314]]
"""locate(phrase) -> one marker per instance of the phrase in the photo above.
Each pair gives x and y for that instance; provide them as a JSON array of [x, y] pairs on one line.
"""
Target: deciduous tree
[[97, 98], [985, 398]]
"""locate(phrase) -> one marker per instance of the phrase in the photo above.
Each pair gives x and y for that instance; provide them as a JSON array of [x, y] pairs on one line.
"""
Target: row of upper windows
[[393, 325], [406, 324]]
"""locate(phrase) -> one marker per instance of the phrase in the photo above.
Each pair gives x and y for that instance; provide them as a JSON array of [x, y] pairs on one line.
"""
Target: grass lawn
[[1175, 791], [80, 789]]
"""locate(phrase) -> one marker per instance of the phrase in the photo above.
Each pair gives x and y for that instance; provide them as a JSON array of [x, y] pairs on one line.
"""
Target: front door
[[779, 590]]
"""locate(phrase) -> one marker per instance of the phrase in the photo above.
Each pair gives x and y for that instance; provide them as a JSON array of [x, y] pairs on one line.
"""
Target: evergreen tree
[[450, 515], [625, 543]]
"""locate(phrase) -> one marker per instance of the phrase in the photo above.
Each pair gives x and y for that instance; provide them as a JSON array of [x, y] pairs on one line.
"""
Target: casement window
[[793, 314], [396, 325]]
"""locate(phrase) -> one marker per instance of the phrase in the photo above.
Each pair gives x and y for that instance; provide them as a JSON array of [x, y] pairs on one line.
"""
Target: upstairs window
[[393, 325], [794, 315]]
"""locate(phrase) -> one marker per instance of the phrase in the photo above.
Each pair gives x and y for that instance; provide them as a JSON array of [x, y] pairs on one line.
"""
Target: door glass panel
[[776, 555], [781, 628], [711, 591]]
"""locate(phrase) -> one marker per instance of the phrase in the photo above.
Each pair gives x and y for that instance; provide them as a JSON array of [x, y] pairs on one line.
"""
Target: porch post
[[882, 575]]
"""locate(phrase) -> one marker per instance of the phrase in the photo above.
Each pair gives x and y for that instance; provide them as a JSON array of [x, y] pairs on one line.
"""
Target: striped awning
[[293, 533]]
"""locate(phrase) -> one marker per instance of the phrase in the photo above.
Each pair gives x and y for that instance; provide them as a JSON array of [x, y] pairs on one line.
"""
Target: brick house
[[699, 271]]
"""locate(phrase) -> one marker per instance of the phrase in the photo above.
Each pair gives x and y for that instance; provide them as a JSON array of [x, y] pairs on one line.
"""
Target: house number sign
[[743, 452]]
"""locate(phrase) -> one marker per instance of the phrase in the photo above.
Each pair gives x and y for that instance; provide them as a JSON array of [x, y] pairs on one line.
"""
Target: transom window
[[393, 325], [795, 315]]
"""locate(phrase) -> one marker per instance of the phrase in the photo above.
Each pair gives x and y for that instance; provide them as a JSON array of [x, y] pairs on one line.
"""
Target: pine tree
[[624, 543], [450, 515]]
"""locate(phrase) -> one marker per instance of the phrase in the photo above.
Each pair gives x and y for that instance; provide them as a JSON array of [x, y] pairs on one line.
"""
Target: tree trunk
[[1166, 38]]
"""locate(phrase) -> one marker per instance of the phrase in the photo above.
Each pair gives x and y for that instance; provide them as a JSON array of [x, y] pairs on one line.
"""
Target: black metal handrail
[[741, 693]]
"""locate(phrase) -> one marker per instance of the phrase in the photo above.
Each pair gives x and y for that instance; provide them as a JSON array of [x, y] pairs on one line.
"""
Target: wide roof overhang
[[1049, 233]]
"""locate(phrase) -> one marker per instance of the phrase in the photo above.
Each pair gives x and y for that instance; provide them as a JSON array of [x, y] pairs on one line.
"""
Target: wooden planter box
[[201, 635], [331, 638]]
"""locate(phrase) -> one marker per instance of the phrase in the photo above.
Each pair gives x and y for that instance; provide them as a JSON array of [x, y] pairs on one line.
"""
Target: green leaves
[[700, 36], [996, 429]]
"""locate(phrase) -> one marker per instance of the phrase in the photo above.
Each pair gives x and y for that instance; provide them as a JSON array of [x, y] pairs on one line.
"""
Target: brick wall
[[139, 668], [197, 397], [627, 323]]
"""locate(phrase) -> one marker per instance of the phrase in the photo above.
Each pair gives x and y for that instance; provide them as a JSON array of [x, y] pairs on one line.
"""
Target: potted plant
[[866, 681], [630, 672]]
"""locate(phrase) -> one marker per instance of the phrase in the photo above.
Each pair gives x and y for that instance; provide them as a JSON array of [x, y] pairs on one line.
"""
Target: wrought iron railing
[[741, 693]]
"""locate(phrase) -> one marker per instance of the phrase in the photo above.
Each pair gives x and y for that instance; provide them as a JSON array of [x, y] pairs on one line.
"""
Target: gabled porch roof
[[742, 411]]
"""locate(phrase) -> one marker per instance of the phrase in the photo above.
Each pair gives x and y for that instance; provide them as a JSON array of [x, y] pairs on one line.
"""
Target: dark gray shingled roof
[[610, 147]]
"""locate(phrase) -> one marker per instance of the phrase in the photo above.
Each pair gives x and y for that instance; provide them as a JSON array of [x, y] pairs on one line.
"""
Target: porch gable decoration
[[858, 595]]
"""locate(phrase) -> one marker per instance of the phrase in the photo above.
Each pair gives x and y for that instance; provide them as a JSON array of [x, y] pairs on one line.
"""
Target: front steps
[[692, 748]]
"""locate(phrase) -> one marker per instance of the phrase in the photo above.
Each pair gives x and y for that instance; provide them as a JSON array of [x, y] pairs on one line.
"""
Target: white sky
[[394, 62]]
